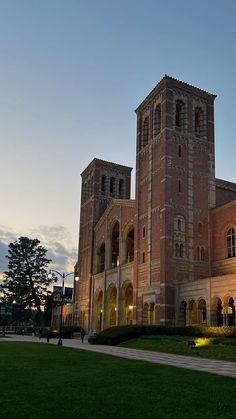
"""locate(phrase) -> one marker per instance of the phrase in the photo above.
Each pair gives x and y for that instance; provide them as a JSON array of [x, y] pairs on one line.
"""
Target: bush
[[118, 334]]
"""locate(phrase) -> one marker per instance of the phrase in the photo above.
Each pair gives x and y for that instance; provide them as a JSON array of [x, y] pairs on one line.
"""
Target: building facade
[[167, 257]]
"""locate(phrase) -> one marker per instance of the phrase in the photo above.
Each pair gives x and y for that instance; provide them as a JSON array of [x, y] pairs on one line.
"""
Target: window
[[199, 121], [179, 185], [157, 120], [179, 250], [179, 224], [143, 257], [144, 231], [179, 151], [103, 184], [230, 243], [112, 185], [121, 187], [179, 114], [145, 132], [202, 254]]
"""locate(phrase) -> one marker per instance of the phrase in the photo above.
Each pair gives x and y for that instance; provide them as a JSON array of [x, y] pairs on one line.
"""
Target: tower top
[[171, 82]]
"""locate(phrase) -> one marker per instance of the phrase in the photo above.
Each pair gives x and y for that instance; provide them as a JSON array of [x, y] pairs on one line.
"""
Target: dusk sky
[[72, 73]]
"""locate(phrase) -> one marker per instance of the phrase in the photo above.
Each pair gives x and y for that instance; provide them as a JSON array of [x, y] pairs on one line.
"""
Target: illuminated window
[[230, 243]]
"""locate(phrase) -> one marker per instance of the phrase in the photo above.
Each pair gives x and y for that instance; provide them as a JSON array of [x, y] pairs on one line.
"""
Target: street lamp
[[63, 276]]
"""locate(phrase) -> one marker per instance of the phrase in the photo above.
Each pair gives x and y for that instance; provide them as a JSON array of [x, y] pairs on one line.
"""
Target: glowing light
[[131, 307], [202, 341]]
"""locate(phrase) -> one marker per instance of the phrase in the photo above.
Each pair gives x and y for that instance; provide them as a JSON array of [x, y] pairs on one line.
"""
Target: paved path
[[198, 364]]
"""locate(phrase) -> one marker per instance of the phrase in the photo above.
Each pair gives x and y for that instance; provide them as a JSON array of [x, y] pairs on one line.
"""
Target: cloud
[[56, 239]]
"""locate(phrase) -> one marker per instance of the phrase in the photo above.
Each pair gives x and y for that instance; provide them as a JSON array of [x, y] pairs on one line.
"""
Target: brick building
[[169, 255]]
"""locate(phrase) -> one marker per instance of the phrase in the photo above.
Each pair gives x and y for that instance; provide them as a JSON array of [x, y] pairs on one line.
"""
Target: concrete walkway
[[225, 368]]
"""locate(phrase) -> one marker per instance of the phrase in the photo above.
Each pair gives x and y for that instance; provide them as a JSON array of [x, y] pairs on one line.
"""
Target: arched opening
[[101, 258], [130, 245], [145, 313], [103, 184], [112, 185], [145, 132], [202, 313], [98, 318], [183, 313], [157, 120], [126, 301], [115, 234], [219, 311], [111, 306], [152, 313], [179, 114], [193, 313], [231, 312], [199, 121], [121, 188]]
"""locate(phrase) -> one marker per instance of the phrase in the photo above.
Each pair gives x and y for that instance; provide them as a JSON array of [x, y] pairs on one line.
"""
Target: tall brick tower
[[175, 188], [101, 182]]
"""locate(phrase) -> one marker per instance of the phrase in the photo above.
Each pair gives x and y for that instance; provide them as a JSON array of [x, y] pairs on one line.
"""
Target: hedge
[[118, 334]]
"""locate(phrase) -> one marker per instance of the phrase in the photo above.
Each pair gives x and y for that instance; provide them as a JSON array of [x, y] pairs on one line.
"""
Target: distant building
[[167, 257]]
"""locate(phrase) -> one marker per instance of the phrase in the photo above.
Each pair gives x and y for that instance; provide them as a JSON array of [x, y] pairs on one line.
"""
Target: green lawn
[[213, 348], [47, 381]]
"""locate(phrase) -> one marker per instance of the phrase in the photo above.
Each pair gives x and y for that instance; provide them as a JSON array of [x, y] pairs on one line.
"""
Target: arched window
[[130, 245], [145, 132], [179, 224], [101, 258], [202, 254], [179, 185], [112, 185], [198, 253], [157, 120], [103, 184], [121, 187], [230, 243], [179, 114], [115, 236], [179, 151], [199, 228], [143, 257], [144, 231], [181, 251], [199, 121]]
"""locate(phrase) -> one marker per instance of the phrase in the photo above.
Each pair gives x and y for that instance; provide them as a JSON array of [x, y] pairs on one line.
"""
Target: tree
[[26, 280]]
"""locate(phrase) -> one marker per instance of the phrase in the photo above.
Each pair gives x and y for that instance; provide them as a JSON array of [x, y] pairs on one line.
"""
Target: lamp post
[[63, 276]]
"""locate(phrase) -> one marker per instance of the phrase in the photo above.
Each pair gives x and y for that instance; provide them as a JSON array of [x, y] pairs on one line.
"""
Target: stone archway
[[98, 310], [111, 306], [193, 313], [183, 313], [229, 311], [202, 312], [127, 303]]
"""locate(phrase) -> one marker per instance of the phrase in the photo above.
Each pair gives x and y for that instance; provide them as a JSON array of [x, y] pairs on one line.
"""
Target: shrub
[[118, 334]]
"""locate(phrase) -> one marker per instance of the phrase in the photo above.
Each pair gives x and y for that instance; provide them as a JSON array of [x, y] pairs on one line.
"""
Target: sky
[[71, 74]]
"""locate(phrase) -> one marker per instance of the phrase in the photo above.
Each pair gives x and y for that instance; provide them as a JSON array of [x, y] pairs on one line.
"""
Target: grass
[[47, 381], [213, 348]]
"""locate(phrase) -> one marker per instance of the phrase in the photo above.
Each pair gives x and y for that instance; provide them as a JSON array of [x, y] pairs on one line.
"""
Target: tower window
[[121, 187], [230, 243], [103, 184], [199, 127], [179, 224], [179, 114], [157, 120], [145, 132], [112, 185], [143, 257], [199, 228], [144, 231]]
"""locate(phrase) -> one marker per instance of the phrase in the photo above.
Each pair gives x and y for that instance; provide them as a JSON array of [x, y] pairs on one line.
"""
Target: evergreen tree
[[26, 280]]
